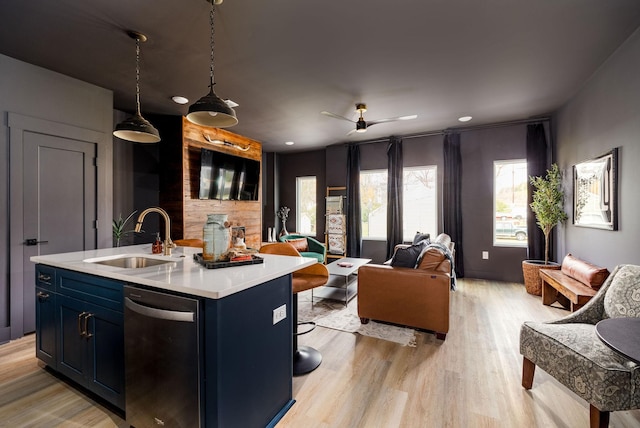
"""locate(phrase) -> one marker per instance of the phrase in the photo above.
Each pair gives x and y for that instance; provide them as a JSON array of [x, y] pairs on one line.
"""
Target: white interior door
[[59, 203]]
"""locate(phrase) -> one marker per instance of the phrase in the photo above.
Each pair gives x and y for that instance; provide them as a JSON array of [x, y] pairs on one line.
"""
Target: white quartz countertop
[[183, 274]]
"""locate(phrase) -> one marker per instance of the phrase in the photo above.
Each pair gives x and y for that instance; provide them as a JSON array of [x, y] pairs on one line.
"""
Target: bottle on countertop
[[156, 248]]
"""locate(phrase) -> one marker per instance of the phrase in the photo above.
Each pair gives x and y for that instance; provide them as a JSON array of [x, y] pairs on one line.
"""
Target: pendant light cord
[[138, 75], [212, 42]]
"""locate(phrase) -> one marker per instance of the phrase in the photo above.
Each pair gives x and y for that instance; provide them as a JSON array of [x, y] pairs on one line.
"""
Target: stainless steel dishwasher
[[162, 359]]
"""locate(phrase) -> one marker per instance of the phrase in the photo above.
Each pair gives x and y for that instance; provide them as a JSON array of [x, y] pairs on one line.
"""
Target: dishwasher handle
[[163, 314]]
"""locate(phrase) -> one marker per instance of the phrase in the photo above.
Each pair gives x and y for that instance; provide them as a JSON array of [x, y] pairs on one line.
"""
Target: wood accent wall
[[181, 182]]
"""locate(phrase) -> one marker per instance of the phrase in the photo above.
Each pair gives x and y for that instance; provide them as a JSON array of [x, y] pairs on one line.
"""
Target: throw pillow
[[299, 244], [407, 256], [421, 237], [585, 272]]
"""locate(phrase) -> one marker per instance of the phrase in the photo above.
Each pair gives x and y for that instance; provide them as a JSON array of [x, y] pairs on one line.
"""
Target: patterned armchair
[[570, 351]]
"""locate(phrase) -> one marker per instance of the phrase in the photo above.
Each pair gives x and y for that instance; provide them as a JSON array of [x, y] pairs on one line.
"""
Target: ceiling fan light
[[137, 129], [361, 125], [212, 111]]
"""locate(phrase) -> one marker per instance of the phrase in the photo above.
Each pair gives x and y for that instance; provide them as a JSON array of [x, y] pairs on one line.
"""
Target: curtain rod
[[458, 129]]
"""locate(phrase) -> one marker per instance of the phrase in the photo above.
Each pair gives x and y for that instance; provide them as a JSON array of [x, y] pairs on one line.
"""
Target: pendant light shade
[[136, 128], [211, 110]]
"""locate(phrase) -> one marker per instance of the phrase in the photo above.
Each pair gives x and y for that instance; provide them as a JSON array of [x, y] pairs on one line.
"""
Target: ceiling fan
[[361, 124]]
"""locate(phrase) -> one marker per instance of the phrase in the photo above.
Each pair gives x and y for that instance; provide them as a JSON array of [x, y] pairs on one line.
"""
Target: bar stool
[[305, 358]]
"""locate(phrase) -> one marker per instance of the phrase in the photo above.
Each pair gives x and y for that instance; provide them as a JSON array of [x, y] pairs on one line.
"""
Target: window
[[510, 203], [373, 204], [419, 201], [306, 205]]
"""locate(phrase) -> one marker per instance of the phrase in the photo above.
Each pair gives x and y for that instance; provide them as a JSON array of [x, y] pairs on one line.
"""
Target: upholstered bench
[[573, 285]]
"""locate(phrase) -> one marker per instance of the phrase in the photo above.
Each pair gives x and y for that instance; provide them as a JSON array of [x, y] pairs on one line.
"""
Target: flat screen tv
[[228, 177]]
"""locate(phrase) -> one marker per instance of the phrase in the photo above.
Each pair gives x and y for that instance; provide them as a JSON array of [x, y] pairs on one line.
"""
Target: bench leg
[[598, 418], [549, 294], [528, 370]]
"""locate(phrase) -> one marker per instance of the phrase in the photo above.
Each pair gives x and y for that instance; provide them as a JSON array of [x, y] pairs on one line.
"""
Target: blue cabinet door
[[91, 347], [46, 347]]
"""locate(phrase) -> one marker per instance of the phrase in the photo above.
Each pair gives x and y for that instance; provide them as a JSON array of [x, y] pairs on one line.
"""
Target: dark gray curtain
[[394, 194], [536, 166], [354, 232], [452, 187]]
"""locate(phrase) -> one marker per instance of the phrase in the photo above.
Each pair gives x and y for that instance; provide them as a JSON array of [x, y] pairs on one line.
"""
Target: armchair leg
[[528, 370], [598, 418]]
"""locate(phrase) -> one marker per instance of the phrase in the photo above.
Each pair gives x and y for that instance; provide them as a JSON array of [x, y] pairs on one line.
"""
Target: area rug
[[334, 315]]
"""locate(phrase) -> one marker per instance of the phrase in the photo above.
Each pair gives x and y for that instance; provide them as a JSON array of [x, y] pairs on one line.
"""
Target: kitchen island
[[244, 332]]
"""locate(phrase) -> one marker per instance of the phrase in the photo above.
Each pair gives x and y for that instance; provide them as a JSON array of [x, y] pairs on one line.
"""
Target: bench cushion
[[588, 274]]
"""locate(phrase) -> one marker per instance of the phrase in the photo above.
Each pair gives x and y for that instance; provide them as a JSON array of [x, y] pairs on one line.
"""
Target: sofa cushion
[[588, 274], [623, 295], [430, 258], [299, 244], [407, 256]]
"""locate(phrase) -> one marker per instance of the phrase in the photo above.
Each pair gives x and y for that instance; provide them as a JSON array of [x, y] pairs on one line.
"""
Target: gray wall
[[33, 91], [603, 115], [479, 149]]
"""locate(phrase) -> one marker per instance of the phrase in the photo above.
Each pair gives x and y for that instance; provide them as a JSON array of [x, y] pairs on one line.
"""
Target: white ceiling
[[285, 61]]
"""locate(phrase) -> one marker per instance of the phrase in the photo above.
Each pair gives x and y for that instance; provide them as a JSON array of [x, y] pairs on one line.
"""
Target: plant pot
[[531, 273]]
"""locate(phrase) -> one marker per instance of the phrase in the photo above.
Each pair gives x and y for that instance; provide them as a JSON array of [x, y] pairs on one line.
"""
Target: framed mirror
[[595, 200]]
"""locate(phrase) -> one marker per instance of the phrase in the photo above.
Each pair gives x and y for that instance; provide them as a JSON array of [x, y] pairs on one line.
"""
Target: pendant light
[[136, 128], [211, 110]]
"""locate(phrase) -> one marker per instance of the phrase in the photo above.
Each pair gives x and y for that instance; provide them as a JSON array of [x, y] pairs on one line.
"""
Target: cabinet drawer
[[45, 277], [102, 291]]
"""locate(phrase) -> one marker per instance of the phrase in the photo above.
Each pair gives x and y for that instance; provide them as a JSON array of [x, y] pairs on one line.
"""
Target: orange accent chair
[[305, 358]]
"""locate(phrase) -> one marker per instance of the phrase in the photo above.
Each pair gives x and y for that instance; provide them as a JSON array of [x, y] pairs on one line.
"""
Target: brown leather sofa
[[416, 297]]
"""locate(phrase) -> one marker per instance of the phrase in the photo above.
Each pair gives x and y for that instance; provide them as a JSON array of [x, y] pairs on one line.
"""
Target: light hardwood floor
[[472, 379]]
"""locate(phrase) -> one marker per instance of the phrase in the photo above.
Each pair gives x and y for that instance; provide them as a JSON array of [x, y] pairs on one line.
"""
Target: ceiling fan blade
[[392, 119], [336, 116]]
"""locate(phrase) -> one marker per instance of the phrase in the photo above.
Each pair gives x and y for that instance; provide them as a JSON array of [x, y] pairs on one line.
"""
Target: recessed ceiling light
[[465, 118], [231, 103], [289, 143], [179, 100]]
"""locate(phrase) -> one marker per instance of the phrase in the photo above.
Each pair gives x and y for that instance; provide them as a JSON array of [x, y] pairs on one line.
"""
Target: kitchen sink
[[129, 261]]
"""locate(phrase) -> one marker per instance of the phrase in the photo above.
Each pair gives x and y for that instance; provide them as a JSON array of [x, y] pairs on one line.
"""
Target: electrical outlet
[[485, 255], [279, 314]]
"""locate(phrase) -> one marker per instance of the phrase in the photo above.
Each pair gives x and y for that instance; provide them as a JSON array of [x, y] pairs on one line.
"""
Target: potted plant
[[547, 205], [119, 226]]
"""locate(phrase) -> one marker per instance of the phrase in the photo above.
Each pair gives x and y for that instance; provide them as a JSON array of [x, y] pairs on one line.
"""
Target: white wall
[[605, 114]]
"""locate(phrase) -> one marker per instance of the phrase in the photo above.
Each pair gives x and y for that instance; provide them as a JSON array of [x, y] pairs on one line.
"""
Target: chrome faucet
[[168, 243]]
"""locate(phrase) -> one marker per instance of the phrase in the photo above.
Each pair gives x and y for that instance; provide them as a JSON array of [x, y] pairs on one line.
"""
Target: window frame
[[522, 222], [299, 211]]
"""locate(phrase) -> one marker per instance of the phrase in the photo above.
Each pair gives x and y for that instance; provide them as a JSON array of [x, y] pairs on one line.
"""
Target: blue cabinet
[[80, 330], [46, 299]]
